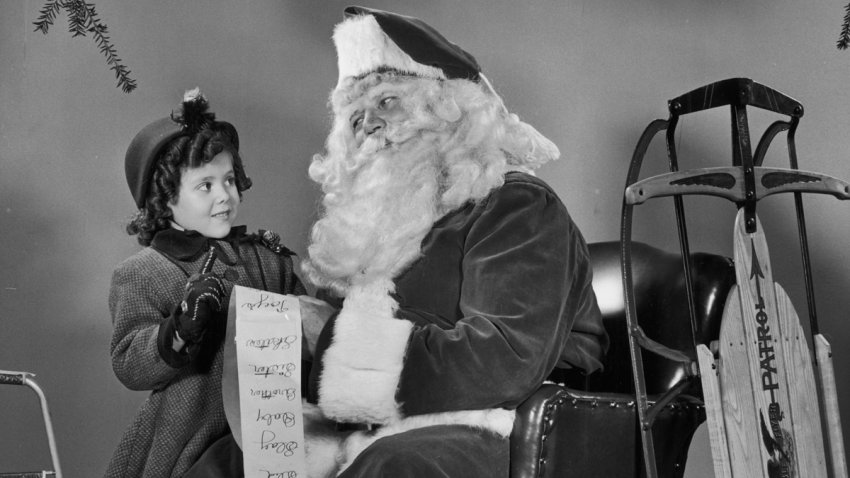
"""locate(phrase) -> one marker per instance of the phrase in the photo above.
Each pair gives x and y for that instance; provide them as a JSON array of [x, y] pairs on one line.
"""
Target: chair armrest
[[565, 432], [535, 418]]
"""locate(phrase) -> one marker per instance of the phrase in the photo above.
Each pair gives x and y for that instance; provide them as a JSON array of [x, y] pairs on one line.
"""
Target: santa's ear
[[446, 108]]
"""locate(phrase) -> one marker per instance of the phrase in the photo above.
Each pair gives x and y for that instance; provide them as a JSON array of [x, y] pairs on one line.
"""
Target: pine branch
[[82, 19], [844, 38], [47, 15], [99, 32], [76, 17]]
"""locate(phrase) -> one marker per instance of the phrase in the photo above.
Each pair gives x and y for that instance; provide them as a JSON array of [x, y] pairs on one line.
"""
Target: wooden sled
[[768, 403], [768, 416]]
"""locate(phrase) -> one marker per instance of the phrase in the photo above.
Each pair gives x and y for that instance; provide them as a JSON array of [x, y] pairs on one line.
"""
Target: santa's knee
[[387, 458]]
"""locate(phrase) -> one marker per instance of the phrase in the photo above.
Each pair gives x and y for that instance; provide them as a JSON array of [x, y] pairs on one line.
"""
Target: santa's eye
[[387, 101], [356, 121]]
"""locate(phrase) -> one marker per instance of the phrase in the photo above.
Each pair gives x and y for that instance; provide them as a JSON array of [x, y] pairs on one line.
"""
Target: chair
[[587, 426]]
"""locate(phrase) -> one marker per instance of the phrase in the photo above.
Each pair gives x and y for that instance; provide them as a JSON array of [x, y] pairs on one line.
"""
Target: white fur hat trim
[[362, 47]]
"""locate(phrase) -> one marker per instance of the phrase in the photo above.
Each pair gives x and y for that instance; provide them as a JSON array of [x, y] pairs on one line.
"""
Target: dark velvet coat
[[499, 297]]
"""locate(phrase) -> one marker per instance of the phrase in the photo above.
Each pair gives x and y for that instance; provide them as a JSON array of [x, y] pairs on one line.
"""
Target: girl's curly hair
[[182, 153]]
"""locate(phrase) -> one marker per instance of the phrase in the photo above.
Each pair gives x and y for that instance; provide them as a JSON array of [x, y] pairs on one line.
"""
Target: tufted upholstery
[[586, 426]]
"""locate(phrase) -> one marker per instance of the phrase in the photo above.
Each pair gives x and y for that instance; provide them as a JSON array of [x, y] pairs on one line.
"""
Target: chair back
[[559, 429], [662, 311]]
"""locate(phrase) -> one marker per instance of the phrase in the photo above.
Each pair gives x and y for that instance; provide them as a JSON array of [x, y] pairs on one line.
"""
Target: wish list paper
[[268, 356]]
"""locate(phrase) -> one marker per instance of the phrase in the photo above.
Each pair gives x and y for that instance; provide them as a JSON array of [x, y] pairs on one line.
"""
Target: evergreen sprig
[[47, 16], [83, 19], [77, 18], [844, 38]]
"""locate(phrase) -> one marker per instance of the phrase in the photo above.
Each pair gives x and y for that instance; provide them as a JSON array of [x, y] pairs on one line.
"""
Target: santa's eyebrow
[[354, 115]]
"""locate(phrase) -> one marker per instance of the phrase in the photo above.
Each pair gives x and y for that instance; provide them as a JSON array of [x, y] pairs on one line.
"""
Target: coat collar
[[188, 245]]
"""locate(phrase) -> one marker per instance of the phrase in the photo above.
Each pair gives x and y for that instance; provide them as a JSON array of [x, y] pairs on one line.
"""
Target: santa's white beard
[[375, 220]]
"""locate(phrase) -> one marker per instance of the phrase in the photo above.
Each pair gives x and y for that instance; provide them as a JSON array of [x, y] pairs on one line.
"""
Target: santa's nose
[[373, 123]]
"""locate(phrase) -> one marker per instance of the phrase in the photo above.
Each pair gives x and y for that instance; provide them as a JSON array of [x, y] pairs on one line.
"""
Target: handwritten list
[[268, 361]]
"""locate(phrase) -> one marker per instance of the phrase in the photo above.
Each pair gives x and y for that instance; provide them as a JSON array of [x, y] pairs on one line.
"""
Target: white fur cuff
[[363, 364]]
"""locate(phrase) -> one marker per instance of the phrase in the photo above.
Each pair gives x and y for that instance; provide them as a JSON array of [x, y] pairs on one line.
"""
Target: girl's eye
[[205, 186], [230, 181]]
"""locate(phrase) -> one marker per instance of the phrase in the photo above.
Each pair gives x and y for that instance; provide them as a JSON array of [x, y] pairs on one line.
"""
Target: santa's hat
[[370, 40]]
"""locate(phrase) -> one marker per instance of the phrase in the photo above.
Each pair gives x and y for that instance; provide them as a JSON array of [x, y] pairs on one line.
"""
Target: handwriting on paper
[[266, 301], [268, 348], [274, 343]]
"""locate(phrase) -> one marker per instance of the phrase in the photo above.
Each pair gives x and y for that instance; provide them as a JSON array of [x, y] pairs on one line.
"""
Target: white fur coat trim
[[496, 420], [362, 47], [362, 366], [329, 452]]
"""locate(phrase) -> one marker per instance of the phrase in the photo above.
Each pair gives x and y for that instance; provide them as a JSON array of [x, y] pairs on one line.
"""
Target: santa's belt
[[355, 427]]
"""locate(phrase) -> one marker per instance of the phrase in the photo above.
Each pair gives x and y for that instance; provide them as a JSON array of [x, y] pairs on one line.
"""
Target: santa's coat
[[500, 296]]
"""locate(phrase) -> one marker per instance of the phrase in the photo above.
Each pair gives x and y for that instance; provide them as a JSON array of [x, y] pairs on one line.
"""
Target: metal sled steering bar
[[729, 183]]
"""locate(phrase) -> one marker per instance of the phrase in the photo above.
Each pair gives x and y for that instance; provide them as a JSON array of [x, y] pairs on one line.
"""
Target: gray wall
[[590, 74]]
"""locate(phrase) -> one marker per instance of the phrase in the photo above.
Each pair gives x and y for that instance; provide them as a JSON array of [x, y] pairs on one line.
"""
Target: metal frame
[[25, 379], [744, 183]]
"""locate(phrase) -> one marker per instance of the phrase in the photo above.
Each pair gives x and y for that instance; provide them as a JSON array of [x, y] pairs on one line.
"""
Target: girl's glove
[[201, 301]]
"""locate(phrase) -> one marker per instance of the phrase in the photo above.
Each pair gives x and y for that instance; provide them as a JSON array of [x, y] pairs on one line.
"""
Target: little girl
[[169, 301]]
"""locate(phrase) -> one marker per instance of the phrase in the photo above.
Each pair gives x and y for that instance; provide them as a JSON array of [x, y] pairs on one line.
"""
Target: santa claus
[[462, 279]]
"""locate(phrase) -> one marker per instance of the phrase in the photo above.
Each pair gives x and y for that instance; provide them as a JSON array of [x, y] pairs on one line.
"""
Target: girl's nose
[[221, 194]]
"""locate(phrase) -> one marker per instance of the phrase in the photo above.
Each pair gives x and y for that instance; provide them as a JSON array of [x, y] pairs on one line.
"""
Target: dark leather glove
[[201, 301]]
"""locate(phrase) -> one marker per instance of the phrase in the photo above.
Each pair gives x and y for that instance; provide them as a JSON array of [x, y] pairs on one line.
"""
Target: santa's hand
[[314, 315]]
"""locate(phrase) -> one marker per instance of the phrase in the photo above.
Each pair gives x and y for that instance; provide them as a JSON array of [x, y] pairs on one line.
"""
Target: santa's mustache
[[374, 143], [394, 137]]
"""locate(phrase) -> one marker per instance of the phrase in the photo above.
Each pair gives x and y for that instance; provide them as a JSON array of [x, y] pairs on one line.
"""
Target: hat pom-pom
[[194, 112], [192, 95]]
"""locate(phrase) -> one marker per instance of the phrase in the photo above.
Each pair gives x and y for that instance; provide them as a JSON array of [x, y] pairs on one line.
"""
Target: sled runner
[[765, 404]]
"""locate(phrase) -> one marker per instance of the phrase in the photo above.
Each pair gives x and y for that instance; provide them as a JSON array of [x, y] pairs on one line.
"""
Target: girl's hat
[[145, 147]]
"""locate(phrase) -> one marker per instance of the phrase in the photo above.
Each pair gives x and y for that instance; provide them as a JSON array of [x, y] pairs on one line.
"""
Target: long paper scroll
[[264, 337]]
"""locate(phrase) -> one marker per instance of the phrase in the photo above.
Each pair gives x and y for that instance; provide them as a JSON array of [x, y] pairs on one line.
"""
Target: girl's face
[[207, 200]]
